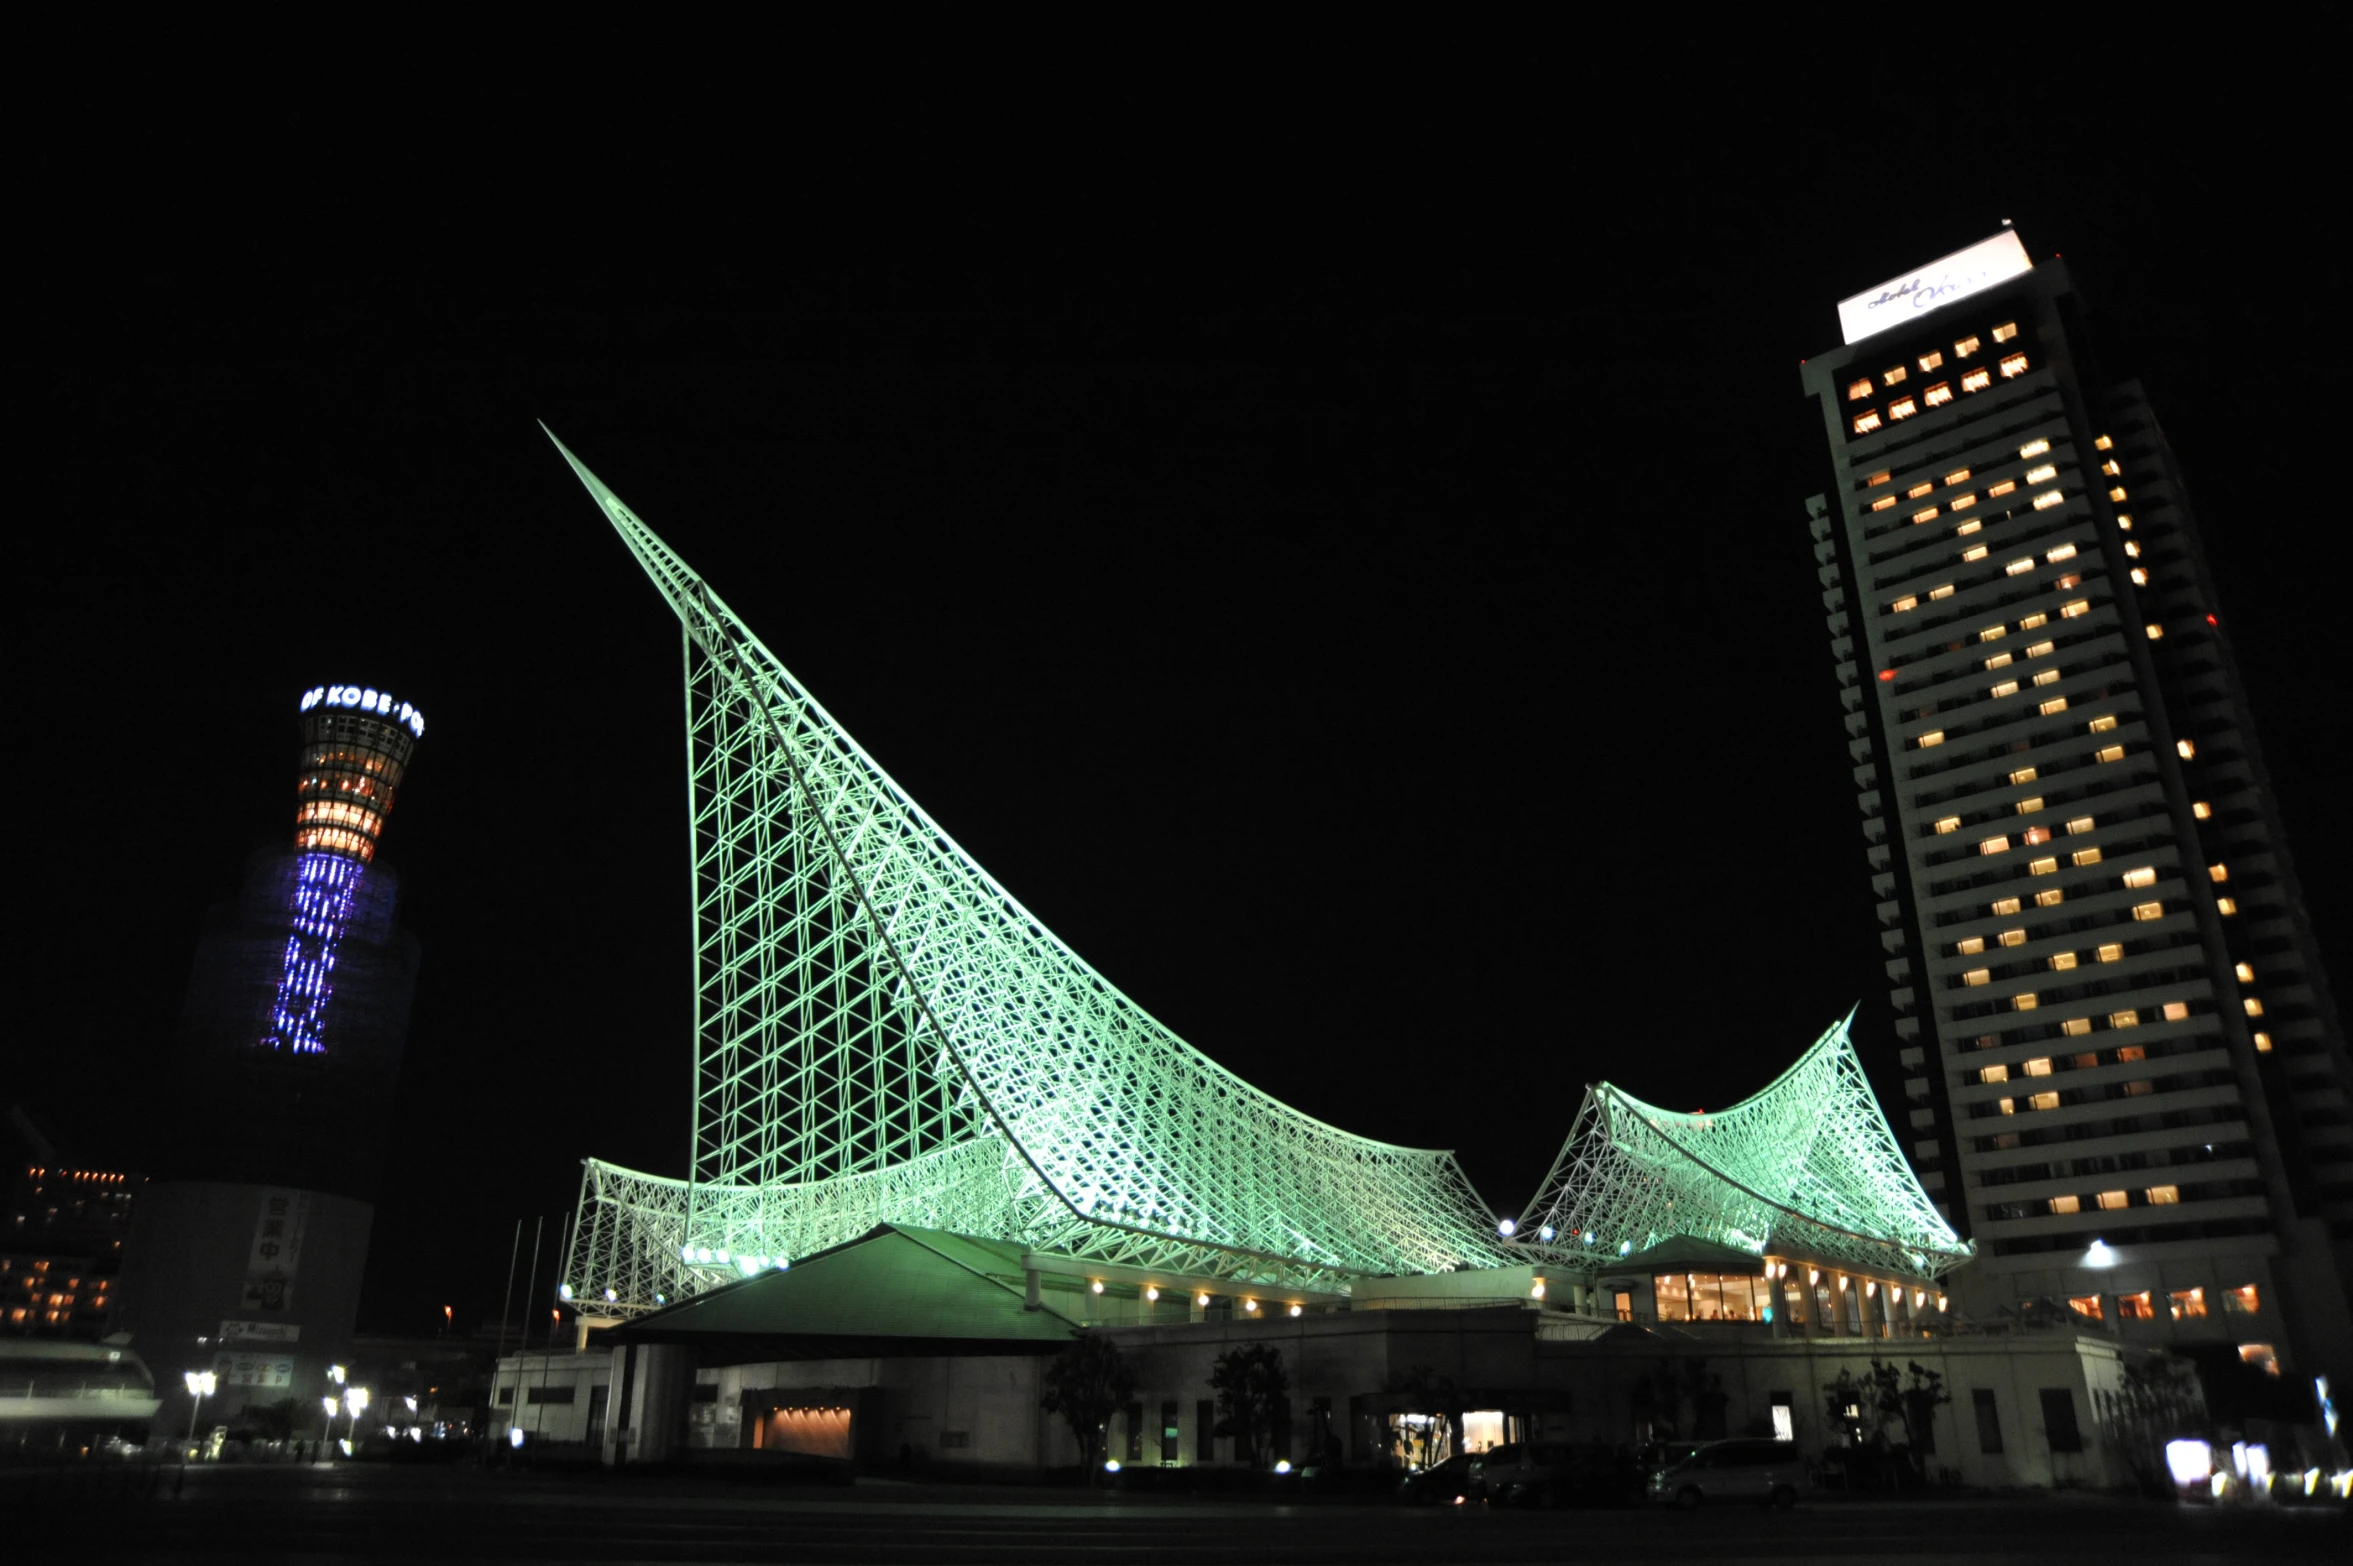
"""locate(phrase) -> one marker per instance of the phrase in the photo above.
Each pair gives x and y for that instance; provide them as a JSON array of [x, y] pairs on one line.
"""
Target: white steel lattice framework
[[884, 1034], [1807, 1167]]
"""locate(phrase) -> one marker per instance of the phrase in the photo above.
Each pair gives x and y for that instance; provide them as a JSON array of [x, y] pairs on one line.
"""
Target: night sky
[[1352, 584]]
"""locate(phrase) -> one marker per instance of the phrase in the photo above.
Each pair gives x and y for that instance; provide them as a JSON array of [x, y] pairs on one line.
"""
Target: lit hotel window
[[2006, 688], [2025, 1000], [2076, 1027], [2033, 448], [2084, 856], [1919, 489], [2017, 566], [2163, 1195], [1994, 1074], [2063, 552], [2042, 474], [1965, 347], [2004, 905], [2036, 836], [1932, 737], [1963, 503], [2025, 775], [2078, 826], [2033, 622], [2037, 1068], [2103, 723], [2246, 973], [1945, 591], [1902, 408], [1972, 946], [2156, 632], [1883, 503], [1938, 395], [1998, 661], [1880, 477], [1865, 423], [1993, 633], [2013, 364], [2111, 951], [1856, 391], [1931, 359], [2226, 906], [2140, 576], [1924, 514], [2047, 677], [2117, 494], [2027, 807], [2146, 911], [2110, 468], [2068, 582], [1903, 605], [2102, 443], [2008, 1106], [2042, 866], [2186, 749], [1977, 976], [2003, 488], [2055, 705], [2114, 1199], [2202, 810], [2108, 753], [2141, 875], [1948, 823], [2070, 610], [2262, 1043], [2241, 1301], [2051, 898], [2004, 332], [2254, 1007], [2124, 1019], [2044, 1100], [1958, 475], [1894, 375], [2124, 1055], [2132, 551], [1977, 380], [2011, 937], [2066, 1204], [2062, 960], [1994, 845], [2047, 499]]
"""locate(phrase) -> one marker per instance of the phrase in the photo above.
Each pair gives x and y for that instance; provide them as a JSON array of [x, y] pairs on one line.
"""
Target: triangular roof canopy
[[895, 1289]]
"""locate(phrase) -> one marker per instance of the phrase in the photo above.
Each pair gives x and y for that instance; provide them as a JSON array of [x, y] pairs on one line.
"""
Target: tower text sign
[[1964, 272]]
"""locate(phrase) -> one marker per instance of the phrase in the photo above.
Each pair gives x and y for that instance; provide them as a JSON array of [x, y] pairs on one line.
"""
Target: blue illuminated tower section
[[356, 744]]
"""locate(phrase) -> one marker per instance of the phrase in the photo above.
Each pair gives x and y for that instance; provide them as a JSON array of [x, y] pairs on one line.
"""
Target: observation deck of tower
[[884, 1034]]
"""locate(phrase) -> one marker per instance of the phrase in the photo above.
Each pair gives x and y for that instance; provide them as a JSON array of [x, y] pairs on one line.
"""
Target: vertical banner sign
[[277, 1250]]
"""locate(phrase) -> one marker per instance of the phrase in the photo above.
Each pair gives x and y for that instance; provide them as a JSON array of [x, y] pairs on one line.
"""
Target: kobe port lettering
[[364, 699]]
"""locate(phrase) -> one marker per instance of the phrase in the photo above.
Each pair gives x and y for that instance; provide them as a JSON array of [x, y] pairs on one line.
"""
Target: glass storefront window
[[1686, 1296]]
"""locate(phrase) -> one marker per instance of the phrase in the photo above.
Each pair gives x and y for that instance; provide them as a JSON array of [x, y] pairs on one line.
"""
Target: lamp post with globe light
[[200, 1386], [327, 1426], [356, 1400]]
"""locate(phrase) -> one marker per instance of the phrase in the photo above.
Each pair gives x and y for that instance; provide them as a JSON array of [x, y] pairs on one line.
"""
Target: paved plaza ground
[[380, 1512]]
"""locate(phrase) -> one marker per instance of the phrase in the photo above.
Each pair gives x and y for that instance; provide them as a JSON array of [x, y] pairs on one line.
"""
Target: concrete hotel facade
[[2114, 1023]]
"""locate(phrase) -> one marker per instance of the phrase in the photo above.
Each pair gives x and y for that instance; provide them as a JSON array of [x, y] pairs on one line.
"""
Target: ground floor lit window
[[1701, 1296]]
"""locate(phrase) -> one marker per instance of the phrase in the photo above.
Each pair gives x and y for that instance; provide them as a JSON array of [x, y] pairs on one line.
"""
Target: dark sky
[[1353, 587]]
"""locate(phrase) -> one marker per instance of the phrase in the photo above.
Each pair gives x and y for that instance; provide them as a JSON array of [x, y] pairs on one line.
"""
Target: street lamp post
[[326, 1426], [200, 1387], [355, 1399]]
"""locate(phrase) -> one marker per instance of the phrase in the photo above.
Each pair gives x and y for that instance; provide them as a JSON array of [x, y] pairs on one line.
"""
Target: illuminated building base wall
[[257, 1283]]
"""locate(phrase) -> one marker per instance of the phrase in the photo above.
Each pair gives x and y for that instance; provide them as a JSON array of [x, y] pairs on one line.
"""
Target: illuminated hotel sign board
[[1957, 276], [363, 699]]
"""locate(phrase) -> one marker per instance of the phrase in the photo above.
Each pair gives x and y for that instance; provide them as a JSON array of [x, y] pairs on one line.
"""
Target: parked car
[[1441, 1484], [1590, 1475], [1517, 1472], [1761, 1472]]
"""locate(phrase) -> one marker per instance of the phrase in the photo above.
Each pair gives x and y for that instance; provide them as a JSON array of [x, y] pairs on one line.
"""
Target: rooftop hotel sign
[[1957, 276]]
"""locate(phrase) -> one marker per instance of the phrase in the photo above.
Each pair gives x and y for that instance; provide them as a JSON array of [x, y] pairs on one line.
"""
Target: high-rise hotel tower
[[2126, 1078]]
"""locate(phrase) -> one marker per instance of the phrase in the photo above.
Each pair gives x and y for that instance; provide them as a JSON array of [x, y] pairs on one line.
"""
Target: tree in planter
[[1253, 1397], [1085, 1383]]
